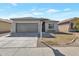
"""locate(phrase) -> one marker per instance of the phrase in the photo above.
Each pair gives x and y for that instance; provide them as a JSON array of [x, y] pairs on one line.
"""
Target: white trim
[[40, 29]]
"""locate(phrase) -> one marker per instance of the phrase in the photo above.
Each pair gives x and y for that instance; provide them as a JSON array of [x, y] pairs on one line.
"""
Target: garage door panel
[[27, 27]]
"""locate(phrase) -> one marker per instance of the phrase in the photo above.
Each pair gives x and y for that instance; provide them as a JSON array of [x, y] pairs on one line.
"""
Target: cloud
[[62, 16], [37, 13], [26, 14], [67, 9], [33, 9], [21, 14], [52, 10], [14, 4]]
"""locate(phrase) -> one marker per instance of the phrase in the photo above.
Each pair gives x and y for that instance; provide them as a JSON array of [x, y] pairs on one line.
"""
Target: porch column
[[13, 27], [40, 29]]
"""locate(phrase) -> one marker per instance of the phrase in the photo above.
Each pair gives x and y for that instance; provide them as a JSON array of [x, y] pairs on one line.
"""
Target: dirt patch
[[59, 39]]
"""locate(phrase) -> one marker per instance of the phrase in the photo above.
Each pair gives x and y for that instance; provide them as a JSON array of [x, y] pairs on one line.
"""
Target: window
[[51, 26]]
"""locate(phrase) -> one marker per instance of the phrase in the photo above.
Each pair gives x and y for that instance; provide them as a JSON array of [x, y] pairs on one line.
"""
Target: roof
[[5, 20], [33, 18], [29, 18], [68, 20]]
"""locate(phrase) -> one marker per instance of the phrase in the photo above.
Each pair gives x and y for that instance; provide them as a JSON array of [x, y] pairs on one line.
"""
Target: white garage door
[[26, 27]]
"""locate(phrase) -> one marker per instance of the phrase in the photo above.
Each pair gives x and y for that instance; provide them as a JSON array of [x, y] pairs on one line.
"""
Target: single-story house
[[69, 25], [5, 25], [31, 24]]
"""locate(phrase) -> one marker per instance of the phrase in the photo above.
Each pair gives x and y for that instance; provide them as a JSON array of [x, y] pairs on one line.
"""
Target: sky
[[53, 11]]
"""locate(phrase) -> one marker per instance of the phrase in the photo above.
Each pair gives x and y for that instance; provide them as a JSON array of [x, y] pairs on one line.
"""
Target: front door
[[43, 27]]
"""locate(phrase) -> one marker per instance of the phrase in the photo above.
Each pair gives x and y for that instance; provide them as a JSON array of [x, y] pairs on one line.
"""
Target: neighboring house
[[5, 25], [30, 24], [69, 25]]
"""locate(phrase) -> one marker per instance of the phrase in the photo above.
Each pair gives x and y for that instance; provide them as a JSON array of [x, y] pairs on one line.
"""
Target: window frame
[[51, 26]]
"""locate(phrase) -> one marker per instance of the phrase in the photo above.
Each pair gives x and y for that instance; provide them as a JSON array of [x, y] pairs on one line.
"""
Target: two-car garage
[[26, 27]]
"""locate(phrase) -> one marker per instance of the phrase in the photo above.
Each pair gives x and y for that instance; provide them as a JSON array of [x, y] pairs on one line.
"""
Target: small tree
[[77, 26]]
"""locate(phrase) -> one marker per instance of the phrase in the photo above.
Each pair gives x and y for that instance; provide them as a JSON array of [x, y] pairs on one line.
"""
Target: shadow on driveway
[[23, 35], [45, 35]]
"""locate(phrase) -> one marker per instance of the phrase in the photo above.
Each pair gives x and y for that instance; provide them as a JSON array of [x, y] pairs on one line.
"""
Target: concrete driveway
[[3, 34], [22, 46], [18, 42]]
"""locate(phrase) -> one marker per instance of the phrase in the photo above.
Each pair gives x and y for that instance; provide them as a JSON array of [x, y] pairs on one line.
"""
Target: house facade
[[70, 25], [30, 24], [5, 25]]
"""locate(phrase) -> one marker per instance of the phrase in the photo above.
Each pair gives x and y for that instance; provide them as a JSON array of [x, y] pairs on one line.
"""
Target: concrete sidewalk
[[40, 51], [26, 52], [66, 51]]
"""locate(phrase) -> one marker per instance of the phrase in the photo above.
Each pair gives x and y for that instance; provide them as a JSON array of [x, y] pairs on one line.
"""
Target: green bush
[[77, 26]]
